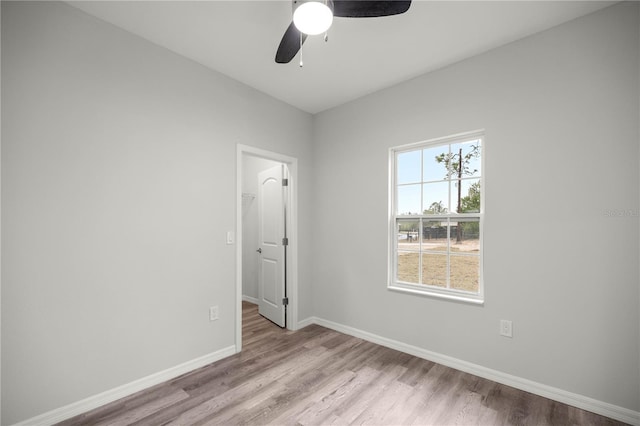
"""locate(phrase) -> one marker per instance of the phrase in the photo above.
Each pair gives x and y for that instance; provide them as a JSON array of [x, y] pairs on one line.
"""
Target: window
[[436, 217]]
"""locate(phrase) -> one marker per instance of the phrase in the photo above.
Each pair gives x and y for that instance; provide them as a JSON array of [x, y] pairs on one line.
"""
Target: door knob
[[259, 250]]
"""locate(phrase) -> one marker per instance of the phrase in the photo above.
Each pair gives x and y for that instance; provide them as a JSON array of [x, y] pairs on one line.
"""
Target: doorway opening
[[266, 182]]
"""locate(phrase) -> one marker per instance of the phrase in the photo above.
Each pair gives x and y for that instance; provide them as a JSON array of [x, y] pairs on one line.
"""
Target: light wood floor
[[317, 376]]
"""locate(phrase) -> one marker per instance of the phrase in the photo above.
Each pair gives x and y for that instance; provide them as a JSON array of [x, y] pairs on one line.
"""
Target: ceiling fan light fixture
[[313, 17]]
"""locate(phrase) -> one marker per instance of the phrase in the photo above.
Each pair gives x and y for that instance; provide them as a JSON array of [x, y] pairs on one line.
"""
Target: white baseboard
[[250, 299], [103, 398], [589, 404], [306, 322]]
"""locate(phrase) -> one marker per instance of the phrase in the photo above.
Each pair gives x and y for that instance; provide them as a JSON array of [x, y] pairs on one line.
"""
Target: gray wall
[[118, 163], [561, 112]]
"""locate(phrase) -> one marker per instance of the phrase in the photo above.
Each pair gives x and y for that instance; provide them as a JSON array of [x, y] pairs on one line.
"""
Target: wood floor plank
[[361, 405], [325, 400], [247, 393], [317, 376], [131, 416], [419, 402], [389, 408]]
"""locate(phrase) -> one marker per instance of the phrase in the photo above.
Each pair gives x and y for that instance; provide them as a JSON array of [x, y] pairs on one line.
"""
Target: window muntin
[[436, 209]]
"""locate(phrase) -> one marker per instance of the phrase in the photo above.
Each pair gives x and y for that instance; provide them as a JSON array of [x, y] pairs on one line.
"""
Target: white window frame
[[425, 289]]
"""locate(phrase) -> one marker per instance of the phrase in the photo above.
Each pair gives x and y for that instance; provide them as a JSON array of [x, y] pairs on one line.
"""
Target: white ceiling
[[239, 39]]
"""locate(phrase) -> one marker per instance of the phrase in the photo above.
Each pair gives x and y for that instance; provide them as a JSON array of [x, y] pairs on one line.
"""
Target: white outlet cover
[[213, 313], [506, 328]]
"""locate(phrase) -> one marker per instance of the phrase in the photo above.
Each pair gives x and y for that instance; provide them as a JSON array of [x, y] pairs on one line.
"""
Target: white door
[[271, 244]]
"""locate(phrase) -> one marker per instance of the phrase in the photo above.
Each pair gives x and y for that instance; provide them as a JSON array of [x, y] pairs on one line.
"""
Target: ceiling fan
[[312, 17]]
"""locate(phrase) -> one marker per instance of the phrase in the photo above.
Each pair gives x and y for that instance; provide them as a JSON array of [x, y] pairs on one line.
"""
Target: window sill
[[428, 292]]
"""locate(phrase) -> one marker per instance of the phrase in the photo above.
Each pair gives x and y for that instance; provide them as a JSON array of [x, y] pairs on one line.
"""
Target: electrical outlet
[[213, 313], [506, 328]]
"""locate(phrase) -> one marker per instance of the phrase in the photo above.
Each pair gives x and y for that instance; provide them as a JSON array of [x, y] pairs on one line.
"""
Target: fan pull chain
[[301, 63], [326, 33]]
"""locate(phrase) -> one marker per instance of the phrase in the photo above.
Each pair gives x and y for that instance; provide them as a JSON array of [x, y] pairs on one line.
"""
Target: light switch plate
[[213, 313], [506, 328]]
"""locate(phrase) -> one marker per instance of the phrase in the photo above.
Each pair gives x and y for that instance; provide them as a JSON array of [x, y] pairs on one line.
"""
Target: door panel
[[270, 278], [271, 231], [271, 205]]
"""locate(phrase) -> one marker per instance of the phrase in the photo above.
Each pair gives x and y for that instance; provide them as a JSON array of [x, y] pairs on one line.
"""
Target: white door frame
[[292, 231]]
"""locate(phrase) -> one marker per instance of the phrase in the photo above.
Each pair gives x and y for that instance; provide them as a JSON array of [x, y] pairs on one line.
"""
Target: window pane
[[434, 170], [464, 272], [465, 235], [434, 269], [408, 199], [470, 195], [470, 157], [434, 235], [436, 198], [408, 165], [408, 234], [408, 267]]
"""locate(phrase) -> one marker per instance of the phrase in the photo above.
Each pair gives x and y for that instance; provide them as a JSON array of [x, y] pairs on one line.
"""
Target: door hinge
[[285, 182], [285, 301], [285, 241]]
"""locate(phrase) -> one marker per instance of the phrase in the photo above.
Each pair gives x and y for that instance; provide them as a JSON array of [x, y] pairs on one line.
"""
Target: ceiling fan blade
[[289, 45], [369, 9]]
